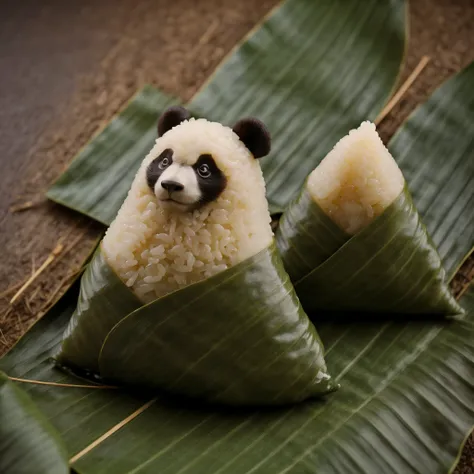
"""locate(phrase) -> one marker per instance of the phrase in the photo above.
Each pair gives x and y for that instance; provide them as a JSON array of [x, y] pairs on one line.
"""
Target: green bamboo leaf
[[404, 407], [251, 305], [80, 415], [28, 443], [391, 266], [311, 72]]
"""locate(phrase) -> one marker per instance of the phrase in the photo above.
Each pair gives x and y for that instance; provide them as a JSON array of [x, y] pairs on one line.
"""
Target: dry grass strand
[[403, 89], [26, 206], [56, 251], [57, 384], [112, 431], [51, 299], [13, 288]]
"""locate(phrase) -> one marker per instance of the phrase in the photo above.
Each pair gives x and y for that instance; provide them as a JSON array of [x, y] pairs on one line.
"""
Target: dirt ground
[[68, 67]]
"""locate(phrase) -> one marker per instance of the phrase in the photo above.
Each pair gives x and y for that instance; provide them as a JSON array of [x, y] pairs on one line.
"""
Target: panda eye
[[164, 163], [204, 171]]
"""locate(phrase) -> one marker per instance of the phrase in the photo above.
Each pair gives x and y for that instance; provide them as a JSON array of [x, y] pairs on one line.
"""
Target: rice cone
[[354, 241]]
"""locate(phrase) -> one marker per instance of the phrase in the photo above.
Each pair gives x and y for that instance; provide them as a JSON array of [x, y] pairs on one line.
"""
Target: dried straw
[[403, 89], [57, 384], [56, 251]]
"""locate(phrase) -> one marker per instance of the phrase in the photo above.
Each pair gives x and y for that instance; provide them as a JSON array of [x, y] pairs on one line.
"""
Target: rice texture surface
[[357, 180], [155, 250]]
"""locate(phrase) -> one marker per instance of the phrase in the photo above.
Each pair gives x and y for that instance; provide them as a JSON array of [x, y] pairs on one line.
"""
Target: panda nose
[[172, 186]]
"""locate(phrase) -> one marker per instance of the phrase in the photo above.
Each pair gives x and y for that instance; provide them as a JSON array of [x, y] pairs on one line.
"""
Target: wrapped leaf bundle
[[353, 239], [187, 291]]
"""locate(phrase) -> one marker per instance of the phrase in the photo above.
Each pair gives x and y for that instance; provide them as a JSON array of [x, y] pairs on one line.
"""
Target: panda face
[[184, 186]]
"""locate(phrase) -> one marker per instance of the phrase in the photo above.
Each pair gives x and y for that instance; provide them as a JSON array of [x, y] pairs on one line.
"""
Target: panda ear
[[171, 117], [255, 136]]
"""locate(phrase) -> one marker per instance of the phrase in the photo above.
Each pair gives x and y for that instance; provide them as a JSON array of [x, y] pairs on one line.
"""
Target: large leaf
[[407, 397], [238, 337], [313, 71], [28, 443], [403, 408]]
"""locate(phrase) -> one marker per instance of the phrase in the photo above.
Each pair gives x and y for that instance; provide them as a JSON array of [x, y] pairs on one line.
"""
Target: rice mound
[[357, 180], [156, 251]]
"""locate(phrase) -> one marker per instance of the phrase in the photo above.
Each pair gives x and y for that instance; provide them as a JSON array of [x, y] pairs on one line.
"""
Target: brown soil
[[68, 67]]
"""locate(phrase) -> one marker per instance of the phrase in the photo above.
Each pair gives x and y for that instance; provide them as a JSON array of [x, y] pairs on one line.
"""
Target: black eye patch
[[210, 178], [157, 166]]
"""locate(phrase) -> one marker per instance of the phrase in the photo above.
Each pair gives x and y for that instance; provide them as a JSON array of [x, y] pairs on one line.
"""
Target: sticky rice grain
[[156, 251], [357, 180]]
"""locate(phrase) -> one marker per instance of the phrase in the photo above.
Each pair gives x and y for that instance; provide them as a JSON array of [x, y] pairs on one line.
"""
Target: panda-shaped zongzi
[[197, 205]]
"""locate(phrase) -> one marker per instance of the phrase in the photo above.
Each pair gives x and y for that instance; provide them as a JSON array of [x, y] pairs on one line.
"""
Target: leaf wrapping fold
[[28, 443], [239, 337], [390, 266], [103, 301], [306, 236]]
